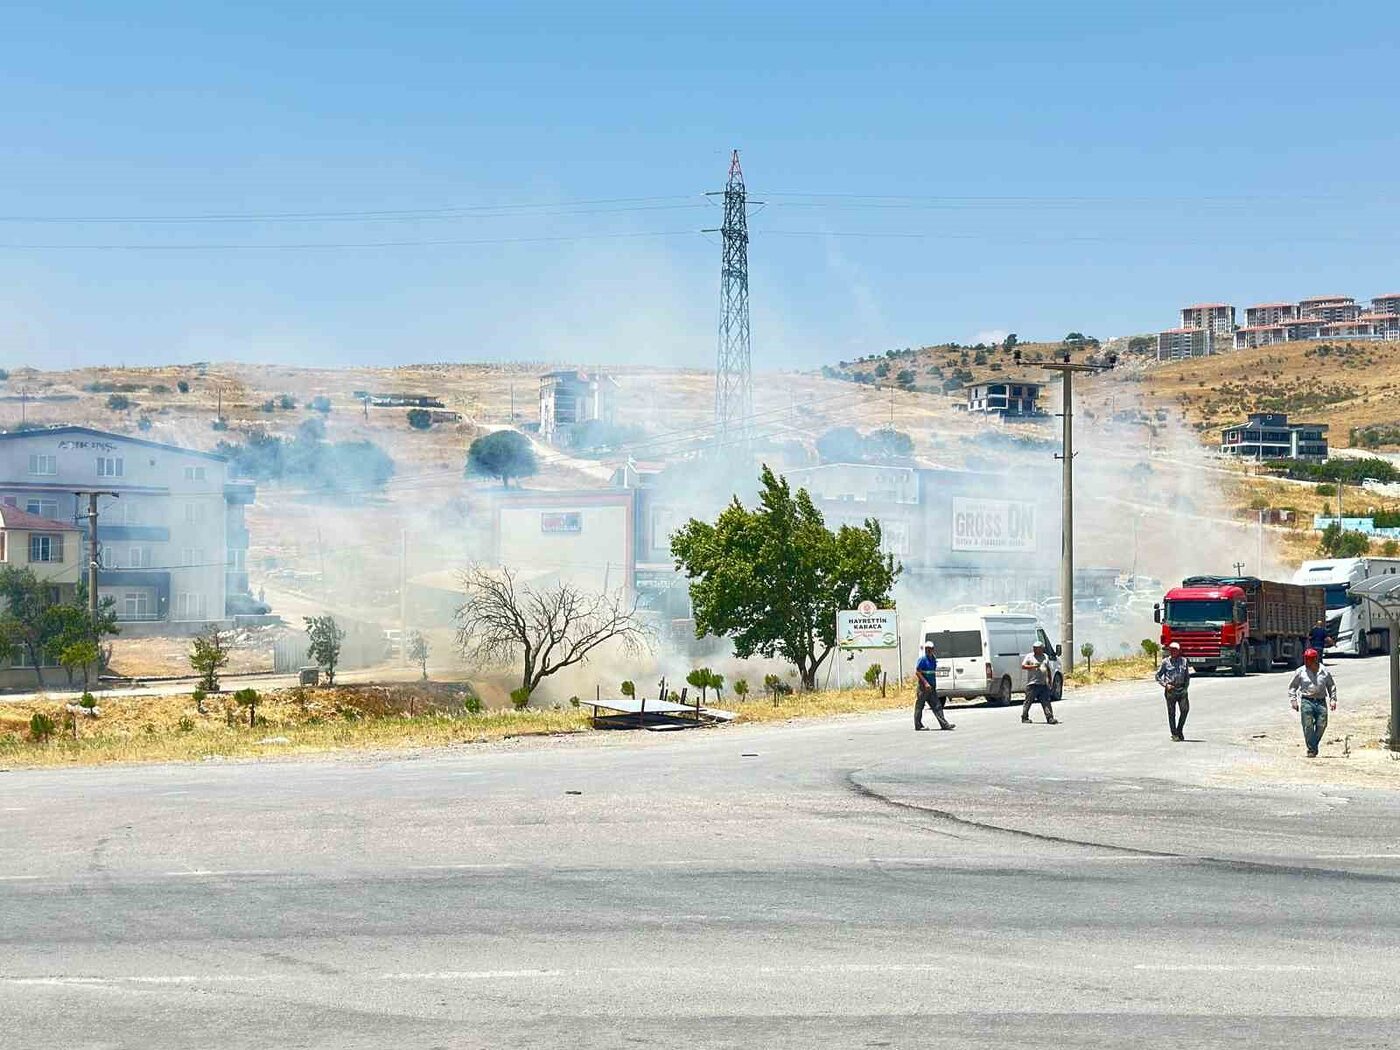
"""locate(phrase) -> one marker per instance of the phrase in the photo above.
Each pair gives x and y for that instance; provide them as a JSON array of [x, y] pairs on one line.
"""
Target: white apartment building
[[1218, 318], [172, 543]]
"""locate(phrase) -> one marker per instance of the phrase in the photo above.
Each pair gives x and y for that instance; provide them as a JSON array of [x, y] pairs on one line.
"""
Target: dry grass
[[1351, 387], [291, 721], [1117, 669]]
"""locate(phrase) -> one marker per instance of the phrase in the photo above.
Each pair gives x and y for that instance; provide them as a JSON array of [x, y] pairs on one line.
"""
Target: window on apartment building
[[136, 605], [138, 557], [45, 508], [191, 606], [43, 463], [192, 557], [194, 512], [110, 466], [194, 473], [45, 546]]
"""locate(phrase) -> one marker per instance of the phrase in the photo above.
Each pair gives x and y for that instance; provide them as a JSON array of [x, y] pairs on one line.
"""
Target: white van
[[979, 653]]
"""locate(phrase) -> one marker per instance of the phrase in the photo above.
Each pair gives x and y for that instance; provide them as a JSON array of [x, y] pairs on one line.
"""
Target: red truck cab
[[1211, 623]]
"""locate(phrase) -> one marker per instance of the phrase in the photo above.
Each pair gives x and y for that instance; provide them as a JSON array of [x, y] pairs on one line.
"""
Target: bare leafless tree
[[547, 629]]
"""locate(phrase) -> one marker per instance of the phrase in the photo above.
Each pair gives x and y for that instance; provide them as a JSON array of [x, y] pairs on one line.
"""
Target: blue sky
[[391, 183]]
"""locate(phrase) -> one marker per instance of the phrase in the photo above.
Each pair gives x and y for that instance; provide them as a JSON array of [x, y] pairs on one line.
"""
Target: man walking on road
[[1174, 676], [1312, 692], [1037, 667], [1319, 639], [926, 686]]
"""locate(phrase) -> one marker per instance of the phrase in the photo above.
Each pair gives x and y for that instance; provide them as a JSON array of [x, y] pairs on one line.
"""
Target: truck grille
[[1197, 643]]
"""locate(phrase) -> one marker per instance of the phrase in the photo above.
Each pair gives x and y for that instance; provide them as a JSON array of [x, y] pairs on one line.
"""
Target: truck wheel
[[1003, 694], [1057, 688], [1241, 655]]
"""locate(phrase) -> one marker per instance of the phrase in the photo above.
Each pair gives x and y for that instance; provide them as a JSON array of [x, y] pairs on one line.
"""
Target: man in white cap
[[1174, 676]]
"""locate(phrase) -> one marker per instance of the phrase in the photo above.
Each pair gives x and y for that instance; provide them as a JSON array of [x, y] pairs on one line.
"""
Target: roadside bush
[[120, 403], [420, 418], [520, 698], [1151, 648], [319, 403], [471, 704], [872, 675], [41, 727], [183, 386]]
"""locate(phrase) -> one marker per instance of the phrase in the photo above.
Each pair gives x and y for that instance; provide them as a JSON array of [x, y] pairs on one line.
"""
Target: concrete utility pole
[[92, 546], [1066, 368]]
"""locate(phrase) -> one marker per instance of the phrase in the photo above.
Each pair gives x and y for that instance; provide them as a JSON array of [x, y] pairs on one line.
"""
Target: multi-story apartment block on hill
[[172, 540]]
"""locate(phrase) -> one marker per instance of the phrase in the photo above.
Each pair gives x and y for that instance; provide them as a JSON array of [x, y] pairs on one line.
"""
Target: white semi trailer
[[1351, 621]]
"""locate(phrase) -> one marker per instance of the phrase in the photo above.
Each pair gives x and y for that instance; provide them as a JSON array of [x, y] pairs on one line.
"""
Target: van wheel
[[1057, 689], [1003, 694]]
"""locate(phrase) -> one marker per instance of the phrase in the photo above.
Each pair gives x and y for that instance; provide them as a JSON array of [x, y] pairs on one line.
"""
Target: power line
[[344, 245]]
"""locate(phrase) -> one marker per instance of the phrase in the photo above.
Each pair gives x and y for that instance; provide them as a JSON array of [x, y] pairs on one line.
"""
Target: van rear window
[[952, 644]]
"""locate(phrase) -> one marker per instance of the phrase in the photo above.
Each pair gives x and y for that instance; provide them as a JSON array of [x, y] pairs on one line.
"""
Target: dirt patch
[[1353, 750]]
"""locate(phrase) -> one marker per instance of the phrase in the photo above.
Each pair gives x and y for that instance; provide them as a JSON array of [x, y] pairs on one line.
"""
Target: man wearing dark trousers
[[1174, 676], [1037, 668], [926, 686]]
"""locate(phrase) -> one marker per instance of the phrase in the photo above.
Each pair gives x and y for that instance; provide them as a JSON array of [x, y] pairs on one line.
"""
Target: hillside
[[1352, 387]]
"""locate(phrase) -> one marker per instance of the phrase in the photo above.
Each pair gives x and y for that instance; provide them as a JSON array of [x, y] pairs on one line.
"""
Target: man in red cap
[[1312, 692], [1174, 676]]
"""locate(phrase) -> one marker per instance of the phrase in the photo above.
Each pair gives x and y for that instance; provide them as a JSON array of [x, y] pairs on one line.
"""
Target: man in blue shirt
[[1319, 639], [926, 683]]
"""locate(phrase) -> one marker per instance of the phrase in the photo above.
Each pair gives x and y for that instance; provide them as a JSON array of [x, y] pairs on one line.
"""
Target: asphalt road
[[843, 884]]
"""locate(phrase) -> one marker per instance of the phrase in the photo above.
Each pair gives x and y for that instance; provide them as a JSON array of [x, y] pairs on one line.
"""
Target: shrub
[[286, 401], [248, 698], [741, 687], [267, 406], [41, 726], [183, 386], [319, 403], [629, 689], [420, 418], [1390, 549], [186, 724], [471, 704], [1327, 490], [1151, 648], [119, 403], [88, 700], [520, 698], [872, 675]]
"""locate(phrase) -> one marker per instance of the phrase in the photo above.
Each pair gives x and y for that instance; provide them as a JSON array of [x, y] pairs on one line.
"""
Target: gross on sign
[[993, 525], [857, 629]]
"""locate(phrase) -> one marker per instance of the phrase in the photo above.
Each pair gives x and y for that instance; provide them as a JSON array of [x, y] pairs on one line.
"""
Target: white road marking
[[202, 873], [18, 878], [1224, 967], [464, 867]]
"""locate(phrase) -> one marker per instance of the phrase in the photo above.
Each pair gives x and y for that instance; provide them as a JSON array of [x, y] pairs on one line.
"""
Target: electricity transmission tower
[[733, 379]]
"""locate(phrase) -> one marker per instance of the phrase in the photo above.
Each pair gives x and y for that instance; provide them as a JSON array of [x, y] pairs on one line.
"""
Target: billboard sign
[[867, 628], [1007, 526]]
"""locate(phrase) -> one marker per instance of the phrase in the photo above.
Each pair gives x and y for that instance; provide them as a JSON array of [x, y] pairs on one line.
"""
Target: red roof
[[1269, 306], [14, 518], [1379, 298], [1208, 306], [1260, 328], [1328, 299]]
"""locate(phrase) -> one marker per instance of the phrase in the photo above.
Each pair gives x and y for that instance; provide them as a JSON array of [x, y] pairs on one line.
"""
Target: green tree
[[120, 403], [887, 444], [504, 454], [629, 689], [80, 655], [325, 636], [208, 656], [1087, 651], [872, 675], [1390, 549], [26, 623], [420, 418], [183, 386], [773, 578], [841, 445], [418, 651], [1151, 648], [248, 698], [741, 687], [1337, 542]]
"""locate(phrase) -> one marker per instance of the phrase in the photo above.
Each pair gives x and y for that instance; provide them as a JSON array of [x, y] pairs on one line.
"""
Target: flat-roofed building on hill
[[1176, 344], [1009, 398], [1268, 314], [1215, 317], [172, 540], [1386, 304], [1329, 308], [1269, 435]]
